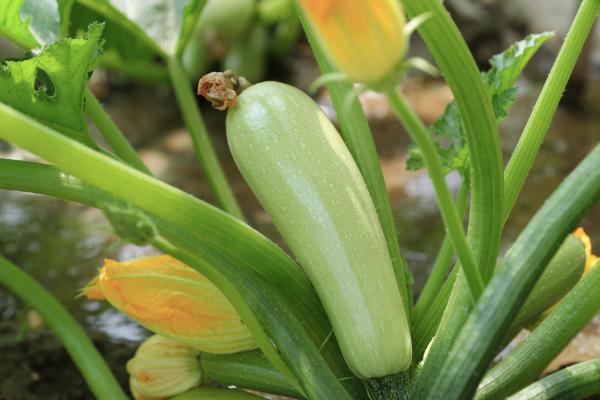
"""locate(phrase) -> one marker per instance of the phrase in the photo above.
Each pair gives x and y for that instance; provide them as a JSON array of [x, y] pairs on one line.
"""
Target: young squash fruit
[[304, 176]]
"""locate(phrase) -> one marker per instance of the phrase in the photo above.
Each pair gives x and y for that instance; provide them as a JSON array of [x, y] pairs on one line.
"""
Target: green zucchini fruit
[[304, 176]]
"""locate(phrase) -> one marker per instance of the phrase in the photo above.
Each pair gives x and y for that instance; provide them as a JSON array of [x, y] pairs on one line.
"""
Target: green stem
[[440, 267], [113, 135], [477, 341], [91, 364], [207, 157], [535, 130], [419, 134], [249, 370], [528, 360], [452, 55], [425, 327], [359, 139], [579, 381]]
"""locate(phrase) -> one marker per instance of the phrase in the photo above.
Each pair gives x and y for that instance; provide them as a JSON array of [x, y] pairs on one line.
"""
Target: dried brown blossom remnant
[[222, 88]]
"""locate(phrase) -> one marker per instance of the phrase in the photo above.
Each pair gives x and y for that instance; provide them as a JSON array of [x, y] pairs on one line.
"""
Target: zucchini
[[304, 176]]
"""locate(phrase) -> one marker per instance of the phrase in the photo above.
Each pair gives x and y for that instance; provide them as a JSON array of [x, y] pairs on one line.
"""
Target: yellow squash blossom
[[162, 367], [364, 38], [173, 300], [589, 257]]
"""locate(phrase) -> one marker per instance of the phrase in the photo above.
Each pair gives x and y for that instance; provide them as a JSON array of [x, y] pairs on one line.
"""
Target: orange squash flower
[[590, 259], [173, 300], [365, 39]]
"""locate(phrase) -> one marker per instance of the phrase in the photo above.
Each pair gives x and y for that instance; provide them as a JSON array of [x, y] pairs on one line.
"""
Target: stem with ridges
[[113, 135], [248, 369], [419, 134], [437, 277], [526, 362], [578, 381], [207, 157], [91, 364], [535, 130], [477, 341]]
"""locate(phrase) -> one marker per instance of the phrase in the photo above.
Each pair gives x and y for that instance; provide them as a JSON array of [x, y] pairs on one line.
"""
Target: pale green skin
[[304, 176]]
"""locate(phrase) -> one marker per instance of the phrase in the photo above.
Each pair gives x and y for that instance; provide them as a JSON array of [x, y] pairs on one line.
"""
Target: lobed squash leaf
[[500, 79], [51, 87]]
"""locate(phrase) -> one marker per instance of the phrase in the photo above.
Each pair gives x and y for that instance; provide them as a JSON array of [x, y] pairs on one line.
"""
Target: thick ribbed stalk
[[452, 56], [440, 266], [248, 369], [454, 59], [419, 134], [579, 381], [479, 337], [528, 360], [533, 135]]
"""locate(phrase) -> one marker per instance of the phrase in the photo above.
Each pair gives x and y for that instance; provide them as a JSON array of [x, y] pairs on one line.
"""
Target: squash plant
[[338, 323]]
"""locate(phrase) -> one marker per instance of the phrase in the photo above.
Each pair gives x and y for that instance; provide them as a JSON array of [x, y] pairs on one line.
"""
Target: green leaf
[[13, 26], [123, 51], [30, 23], [508, 65], [165, 25], [51, 86], [448, 130]]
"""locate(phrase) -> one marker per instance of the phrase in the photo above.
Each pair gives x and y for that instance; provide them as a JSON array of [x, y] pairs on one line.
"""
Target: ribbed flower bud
[[365, 39], [162, 367]]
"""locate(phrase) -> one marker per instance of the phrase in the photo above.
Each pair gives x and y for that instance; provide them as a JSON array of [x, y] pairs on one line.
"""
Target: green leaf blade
[[500, 79], [13, 26], [51, 86]]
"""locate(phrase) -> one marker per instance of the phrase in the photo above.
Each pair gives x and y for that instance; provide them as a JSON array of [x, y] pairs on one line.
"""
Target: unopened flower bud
[[365, 39], [162, 367]]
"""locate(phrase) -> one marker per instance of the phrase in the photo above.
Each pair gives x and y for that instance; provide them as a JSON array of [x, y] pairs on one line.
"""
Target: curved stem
[[91, 364], [207, 157], [113, 135], [440, 267], [452, 55], [535, 130], [419, 134]]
